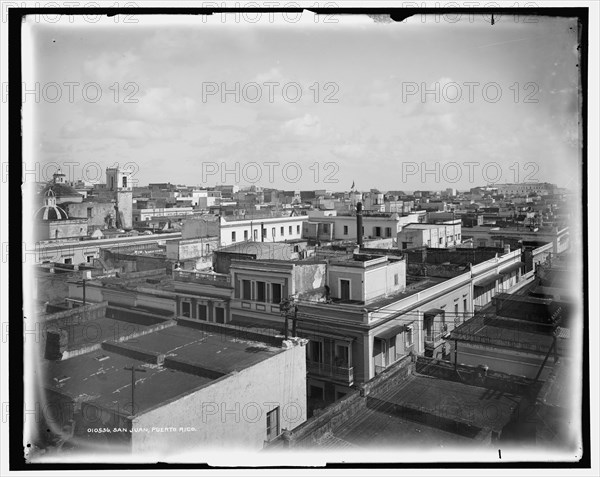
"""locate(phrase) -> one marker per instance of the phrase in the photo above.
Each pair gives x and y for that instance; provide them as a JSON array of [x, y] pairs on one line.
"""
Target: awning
[[511, 268], [389, 333], [487, 280], [433, 312]]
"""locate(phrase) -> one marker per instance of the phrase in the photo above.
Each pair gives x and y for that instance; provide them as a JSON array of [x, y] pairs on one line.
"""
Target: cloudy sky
[[343, 102]]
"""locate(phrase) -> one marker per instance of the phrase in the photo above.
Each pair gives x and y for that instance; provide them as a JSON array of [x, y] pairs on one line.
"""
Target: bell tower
[[120, 183]]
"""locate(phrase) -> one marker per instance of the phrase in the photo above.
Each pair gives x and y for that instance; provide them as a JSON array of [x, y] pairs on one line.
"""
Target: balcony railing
[[434, 336], [201, 277], [339, 373]]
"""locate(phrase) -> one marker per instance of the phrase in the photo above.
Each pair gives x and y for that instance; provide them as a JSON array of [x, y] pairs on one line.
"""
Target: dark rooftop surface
[[214, 351], [428, 411], [471, 405], [382, 428], [158, 280], [106, 382], [98, 330], [503, 332]]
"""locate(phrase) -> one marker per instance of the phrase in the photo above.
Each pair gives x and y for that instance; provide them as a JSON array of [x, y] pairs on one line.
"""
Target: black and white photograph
[[302, 235]]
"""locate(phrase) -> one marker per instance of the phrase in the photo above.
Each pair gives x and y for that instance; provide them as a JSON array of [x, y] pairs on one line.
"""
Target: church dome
[[61, 191], [50, 211]]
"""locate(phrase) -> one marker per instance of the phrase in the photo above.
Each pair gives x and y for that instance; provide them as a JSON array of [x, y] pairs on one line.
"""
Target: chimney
[[359, 225]]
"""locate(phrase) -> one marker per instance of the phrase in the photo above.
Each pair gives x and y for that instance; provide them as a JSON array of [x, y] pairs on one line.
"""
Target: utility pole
[[87, 275], [133, 369], [295, 320], [455, 355]]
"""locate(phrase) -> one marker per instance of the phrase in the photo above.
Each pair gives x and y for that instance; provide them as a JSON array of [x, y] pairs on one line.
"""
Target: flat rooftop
[[501, 332], [157, 280], [417, 284], [99, 377], [524, 229], [100, 329], [219, 352], [259, 248], [429, 226], [427, 411], [107, 384]]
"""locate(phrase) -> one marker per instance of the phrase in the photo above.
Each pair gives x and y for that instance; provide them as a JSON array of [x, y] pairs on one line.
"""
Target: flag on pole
[[352, 185]]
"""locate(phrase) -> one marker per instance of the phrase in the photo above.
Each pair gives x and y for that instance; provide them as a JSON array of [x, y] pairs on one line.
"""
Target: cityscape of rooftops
[[349, 238]]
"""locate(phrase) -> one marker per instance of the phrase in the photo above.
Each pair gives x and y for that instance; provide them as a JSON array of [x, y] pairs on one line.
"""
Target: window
[[290, 230], [388, 232], [124, 181], [186, 309], [220, 315], [202, 312], [441, 240], [233, 236], [264, 233], [89, 258], [273, 424], [260, 291], [255, 235], [245, 235], [68, 261], [380, 349], [408, 334], [325, 228], [207, 248], [342, 356], [297, 229], [276, 293], [281, 232], [315, 351], [455, 311], [89, 212], [273, 232], [345, 230], [246, 290], [465, 305], [377, 231], [345, 289]]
